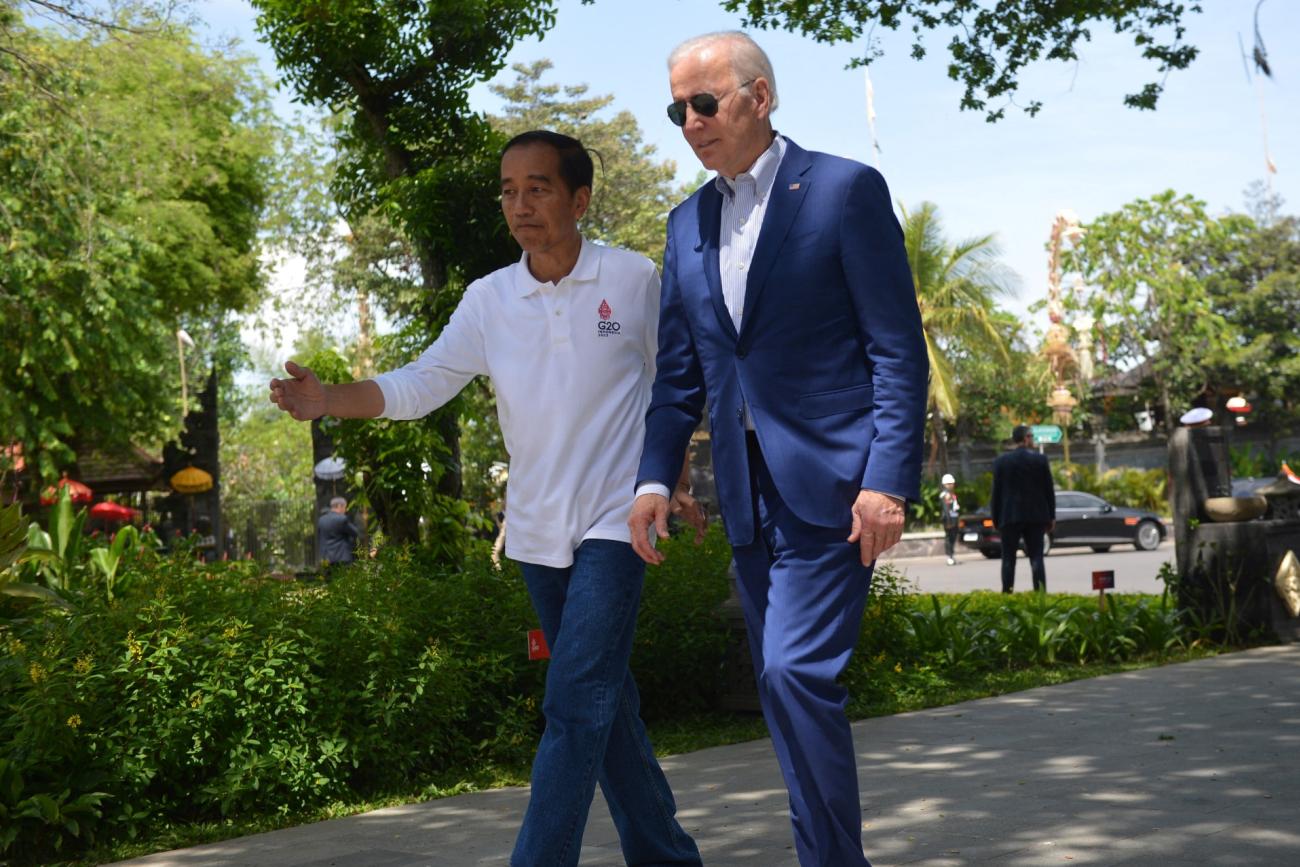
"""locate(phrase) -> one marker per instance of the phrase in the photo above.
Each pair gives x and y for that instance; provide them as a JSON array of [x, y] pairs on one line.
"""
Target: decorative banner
[[1103, 579], [537, 648]]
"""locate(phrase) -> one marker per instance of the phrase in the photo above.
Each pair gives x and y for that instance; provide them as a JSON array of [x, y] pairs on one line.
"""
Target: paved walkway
[[1190, 764]]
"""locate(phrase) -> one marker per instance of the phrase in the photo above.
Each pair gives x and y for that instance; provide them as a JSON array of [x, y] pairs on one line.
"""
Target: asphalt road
[[1069, 570]]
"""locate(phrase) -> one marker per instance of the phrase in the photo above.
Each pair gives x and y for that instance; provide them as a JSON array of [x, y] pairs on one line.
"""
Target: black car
[[1081, 519]]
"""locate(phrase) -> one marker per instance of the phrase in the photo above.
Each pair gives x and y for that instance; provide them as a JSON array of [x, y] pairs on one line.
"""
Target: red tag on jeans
[[537, 648]]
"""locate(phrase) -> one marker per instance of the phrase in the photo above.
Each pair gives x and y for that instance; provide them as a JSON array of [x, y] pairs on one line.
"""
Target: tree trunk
[[1171, 420], [398, 163], [938, 443]]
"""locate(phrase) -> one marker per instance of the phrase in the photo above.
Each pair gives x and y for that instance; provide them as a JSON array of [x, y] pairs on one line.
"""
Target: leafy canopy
[[1145, 266], [133, 174], [991, 43]]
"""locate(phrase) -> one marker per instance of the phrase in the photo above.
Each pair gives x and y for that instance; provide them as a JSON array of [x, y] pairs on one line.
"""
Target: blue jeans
[[593, 725]]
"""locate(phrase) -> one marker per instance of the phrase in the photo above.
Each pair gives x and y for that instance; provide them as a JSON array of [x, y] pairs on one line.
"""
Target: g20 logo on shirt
[[606, 326]]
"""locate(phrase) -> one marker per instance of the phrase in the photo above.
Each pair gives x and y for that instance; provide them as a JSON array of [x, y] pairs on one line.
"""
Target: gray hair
[[748, 61], [338, 501]]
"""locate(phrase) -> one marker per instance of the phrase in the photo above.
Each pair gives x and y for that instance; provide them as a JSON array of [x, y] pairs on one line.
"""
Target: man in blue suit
[[787, 302]]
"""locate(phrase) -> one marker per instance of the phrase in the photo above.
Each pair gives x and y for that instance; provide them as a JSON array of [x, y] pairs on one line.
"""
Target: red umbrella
[[113, 512], [80, 494]]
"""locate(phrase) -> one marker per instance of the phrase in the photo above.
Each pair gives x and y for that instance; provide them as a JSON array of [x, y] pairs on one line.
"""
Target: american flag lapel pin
[[794, 186]]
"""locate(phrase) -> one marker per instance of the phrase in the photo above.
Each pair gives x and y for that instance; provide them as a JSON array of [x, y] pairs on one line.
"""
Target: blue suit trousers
[[803, 589]]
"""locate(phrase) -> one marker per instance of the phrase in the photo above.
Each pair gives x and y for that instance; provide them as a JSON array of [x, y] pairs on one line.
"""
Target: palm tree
[[957, 287]]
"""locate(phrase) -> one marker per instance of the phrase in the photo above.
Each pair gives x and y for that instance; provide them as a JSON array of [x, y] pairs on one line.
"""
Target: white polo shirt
[[572, 364]]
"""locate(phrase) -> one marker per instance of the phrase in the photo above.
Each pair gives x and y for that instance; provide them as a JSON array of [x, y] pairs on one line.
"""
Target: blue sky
[[1084, 150]]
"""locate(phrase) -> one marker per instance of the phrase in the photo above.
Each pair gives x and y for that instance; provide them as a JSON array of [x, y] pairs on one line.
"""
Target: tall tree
[[990, 44], [1253, 279], [1146, 267], [398, 73], [957, 287], [133, 173], [998, 392]]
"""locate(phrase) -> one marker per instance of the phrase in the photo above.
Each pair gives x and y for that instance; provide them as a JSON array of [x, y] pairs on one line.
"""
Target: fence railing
[[280, 534]]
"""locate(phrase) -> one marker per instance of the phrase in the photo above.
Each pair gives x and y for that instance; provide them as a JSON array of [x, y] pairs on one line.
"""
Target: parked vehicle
[[1081, 519]]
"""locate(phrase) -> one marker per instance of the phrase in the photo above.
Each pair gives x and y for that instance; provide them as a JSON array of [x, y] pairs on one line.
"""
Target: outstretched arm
[[304, 397]]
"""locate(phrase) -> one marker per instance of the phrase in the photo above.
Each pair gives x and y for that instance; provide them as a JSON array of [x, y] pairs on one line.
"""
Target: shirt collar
[[763, 171], [586, 268]]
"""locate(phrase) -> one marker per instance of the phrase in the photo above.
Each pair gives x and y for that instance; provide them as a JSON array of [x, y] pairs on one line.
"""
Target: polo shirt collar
[[585, 269]]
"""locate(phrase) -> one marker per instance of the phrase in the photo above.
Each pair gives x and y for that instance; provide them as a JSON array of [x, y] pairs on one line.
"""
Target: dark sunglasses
[[705, 104]]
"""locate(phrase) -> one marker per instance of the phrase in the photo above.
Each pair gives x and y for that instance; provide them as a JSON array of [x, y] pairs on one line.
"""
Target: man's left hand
[[690, 510], [877, 524]]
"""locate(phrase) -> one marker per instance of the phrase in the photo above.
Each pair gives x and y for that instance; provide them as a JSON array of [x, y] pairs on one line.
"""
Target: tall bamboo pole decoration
[[183, 340], [871, 118]]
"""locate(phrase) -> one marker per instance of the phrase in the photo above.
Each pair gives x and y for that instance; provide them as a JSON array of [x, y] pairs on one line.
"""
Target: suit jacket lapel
[[709, 216], [788, 192]]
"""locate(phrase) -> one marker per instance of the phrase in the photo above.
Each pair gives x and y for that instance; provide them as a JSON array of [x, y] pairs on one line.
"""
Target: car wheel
[[991, 553], [1148, 536], [1101, 549]]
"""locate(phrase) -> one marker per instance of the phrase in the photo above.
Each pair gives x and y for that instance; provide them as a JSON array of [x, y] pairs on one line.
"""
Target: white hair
[[338, 501], [748, 61]]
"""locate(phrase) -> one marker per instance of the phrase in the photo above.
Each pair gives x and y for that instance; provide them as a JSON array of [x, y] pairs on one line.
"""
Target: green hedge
[[218, 691]]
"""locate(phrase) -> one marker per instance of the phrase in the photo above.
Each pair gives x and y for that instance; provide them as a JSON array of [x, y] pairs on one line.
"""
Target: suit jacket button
[[740, 353]]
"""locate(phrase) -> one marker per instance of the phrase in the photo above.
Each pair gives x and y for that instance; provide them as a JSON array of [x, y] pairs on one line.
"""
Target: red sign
[[537, 648], [1103, 579]]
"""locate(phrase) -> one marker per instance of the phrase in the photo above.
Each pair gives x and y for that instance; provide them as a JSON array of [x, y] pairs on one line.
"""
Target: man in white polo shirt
[[568, 335]]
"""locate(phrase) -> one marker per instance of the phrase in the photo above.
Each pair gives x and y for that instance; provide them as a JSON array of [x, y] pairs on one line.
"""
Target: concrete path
[[1189, 764]]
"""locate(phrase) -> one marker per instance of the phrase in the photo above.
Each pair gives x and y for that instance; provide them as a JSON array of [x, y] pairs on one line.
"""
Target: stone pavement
[[1189, 764]]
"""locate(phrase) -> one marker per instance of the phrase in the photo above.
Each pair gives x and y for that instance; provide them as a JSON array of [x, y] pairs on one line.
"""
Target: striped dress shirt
[[744, 203]]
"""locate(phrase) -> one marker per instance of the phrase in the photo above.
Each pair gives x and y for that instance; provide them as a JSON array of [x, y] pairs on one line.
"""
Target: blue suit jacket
[[830, 356]]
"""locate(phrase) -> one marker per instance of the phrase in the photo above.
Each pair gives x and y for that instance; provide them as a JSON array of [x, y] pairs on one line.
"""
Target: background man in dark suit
[[1024, 506], [787, 300], [338, 535]]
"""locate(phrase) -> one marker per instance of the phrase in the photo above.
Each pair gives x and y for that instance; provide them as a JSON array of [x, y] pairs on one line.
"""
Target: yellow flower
[[16, 646], [196, 700], [136, 648], [230, 632], [37, 672], [83, 665], [74, 721], [898, 668]]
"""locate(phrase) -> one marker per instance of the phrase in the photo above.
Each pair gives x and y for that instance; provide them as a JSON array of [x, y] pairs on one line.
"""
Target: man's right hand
[[302, 396], [648, 510]]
